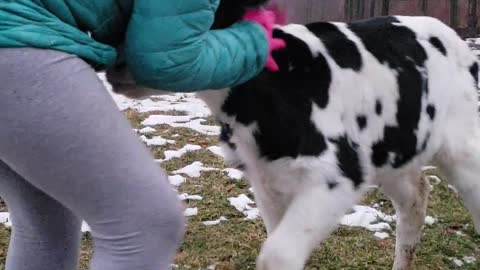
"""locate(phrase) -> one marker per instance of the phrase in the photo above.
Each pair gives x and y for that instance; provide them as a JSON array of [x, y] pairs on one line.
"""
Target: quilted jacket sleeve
[[169, 46]]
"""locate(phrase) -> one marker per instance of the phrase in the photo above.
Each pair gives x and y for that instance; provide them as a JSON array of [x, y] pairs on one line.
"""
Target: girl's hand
[[267, 19]]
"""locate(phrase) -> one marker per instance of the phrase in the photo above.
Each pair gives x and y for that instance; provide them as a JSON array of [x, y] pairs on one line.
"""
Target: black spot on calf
[[474, 72], [438, 45], [226, 132], [332, 185], [226, 135], [362, 122], [431, 111], [343, 50], [378, 107], [348, 160]]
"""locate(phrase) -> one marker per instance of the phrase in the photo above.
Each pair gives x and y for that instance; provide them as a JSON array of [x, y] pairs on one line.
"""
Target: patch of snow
[[242, 204], [176, 180], [147, 130], [187, 103], [214, 222], [381, 235], [452, 188], [391, 219], [234, 173], [194, 170], [85, 227], [198, 127], [154, 120], [182, 122], [175, 135], [251, 214], [185, 196], [463, 261], [217, 150], [460, 233], [190, 212], [5, 219], [251, 190], [457, 262], [156, 141], [469, 259], [429, 168], [435, 179], [212, 267], [368, 218], [170, 154], [429, 220], [379, 227]]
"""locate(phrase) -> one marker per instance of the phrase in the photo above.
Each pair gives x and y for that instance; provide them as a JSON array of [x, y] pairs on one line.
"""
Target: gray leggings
[[67, 154]]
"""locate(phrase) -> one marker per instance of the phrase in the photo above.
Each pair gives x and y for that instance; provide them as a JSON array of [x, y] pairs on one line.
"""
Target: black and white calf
[[354, 105], [359, 104]]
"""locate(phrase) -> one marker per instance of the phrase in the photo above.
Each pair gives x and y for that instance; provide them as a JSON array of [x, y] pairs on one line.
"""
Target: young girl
[[67, 154]]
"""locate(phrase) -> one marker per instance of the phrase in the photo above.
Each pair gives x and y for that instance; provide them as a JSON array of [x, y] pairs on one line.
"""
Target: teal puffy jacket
[[168, 44]]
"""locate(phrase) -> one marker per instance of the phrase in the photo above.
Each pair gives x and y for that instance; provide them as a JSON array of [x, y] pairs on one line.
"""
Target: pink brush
[[267, 19]]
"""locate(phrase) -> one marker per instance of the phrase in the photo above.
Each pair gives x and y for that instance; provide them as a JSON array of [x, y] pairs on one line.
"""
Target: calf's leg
[[410, 197], [312, 215]]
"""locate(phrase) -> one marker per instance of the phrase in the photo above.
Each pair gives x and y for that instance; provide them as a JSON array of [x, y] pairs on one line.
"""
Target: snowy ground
[[225, 230]]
